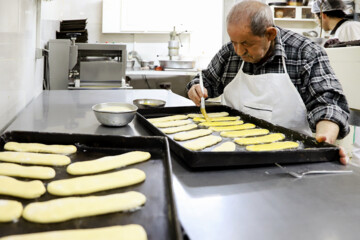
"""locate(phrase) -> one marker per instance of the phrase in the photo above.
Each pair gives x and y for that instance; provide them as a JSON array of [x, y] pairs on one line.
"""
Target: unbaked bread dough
[[217, 119], [35, 158], [175, 123], [126, 232], [96, 183], [202, 142], [10, 210], [63, 209], [16, 188], [272, 146], [183, 136], [39, 148], [36, 172], [211, 115], [225, 147], [218, 124], [263, 139], [179, 129], [233, 128], [167, 118], [107, 163], [245, 133]]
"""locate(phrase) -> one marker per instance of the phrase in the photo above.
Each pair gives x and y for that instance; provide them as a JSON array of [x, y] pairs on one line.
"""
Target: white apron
[[271, 97]]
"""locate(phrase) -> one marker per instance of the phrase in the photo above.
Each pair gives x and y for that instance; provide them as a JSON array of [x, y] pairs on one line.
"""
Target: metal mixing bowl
[[119, 114], [149, 103]]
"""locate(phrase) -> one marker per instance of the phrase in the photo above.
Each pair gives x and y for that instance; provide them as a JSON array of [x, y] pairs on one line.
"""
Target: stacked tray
[[309, 149], [158, 216]]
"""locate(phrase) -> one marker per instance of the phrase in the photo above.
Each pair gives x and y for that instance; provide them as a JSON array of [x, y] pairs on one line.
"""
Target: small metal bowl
[[149, 103], [114, 114]]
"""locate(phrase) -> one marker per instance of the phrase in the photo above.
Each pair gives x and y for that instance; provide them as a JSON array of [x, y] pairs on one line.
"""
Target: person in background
[[332, 17], [276, 75]]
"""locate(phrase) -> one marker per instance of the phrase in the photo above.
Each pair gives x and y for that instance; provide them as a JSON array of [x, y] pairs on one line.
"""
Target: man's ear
[[271, 33]]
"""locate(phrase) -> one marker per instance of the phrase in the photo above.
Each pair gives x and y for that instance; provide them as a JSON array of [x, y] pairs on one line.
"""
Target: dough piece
[[245, 133], [272, 146], [63, 209], [175, 123], [168, 118], [10, 210], [35, 158], [179, 129], [107, 163], [16, 188], [96, 183], [217, 119], [202, 142], [233, 128], [128, 232], [263, 139], [219, 124], [210, 115], [15, 170], [192, 134], [40, 148], [225, 147]]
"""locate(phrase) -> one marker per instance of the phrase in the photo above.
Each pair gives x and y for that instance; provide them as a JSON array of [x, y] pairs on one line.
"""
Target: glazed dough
[[202, 142], [225, 147], [217, 119], [218, 124], [107, 163], [96, 183], [175, 123], [15, 170], [192, 134], [263, 139], [233, 128], [128, 232], [35, 158], [179, 129], [63, 209], [272, 146], [10, 210], [211, 115], [168, 118], [16, 188], [39, 148], [245, 133]]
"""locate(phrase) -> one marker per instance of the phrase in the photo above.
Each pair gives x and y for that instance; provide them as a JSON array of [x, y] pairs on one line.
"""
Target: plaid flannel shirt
[[308, 67]]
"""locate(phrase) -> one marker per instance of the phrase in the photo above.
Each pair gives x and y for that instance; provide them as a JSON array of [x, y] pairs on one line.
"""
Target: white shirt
[[348, 31]]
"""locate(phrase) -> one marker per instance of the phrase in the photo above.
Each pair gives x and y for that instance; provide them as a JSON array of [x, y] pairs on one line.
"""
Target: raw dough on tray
[[167, 118], [10, 210], [233, 128], [40, 148], [96, 183], [225, 147], [36, 172], [210, 115], [175, 123], [107, 163], [217, 119], [128, 232], [183, 136], [63, 209], [16, 188], [263, 139], [218, 124], [179, 128], [35, 158], [245, 133], [202, 142], [273, 146]]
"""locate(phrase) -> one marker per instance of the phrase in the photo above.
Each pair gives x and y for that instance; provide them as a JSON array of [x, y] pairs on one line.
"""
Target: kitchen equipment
[[149, 103], [158, 216], [202, 103], [177, 64], [130, 63], [300, 175], [149, 64], [114, 114]]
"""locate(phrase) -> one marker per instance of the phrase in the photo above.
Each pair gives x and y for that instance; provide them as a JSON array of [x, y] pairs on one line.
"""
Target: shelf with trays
[[293, 13]]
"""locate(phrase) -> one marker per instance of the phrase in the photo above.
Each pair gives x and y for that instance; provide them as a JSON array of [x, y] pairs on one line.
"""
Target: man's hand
[[327, 131], [195, 94]]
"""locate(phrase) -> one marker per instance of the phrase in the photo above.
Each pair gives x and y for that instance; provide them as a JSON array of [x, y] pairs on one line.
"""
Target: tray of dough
[[115, 187], [249, 139]]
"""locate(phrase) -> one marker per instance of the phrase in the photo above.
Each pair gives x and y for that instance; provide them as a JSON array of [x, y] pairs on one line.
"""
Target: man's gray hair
[[256, 14]]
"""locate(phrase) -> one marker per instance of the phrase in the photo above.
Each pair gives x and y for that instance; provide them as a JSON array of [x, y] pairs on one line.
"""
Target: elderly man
[[277, 75]]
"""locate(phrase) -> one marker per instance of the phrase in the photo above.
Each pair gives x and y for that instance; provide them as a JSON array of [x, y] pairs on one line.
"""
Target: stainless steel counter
[[250, 203]]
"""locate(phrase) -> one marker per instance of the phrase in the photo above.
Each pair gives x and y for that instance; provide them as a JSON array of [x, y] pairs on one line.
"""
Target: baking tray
[[158, 216], [309, 151]]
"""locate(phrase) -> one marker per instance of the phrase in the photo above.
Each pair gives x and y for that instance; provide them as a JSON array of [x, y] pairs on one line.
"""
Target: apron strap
[[284, 65]]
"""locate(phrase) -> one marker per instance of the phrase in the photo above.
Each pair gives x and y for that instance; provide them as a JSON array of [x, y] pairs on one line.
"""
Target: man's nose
[[239, 49]]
